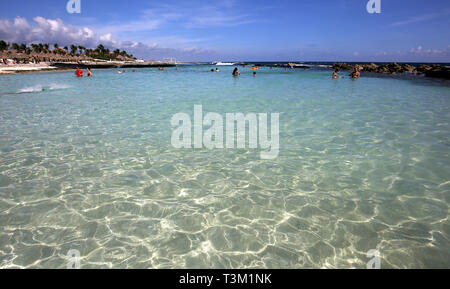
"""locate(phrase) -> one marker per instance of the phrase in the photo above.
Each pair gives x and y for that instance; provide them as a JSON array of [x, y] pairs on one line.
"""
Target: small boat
[[224, 64]]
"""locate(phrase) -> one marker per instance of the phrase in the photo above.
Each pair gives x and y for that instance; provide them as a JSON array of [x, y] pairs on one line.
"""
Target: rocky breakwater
[[432, 70]]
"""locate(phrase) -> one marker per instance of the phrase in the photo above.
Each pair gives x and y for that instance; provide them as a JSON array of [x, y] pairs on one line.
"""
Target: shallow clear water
[[87, 164]]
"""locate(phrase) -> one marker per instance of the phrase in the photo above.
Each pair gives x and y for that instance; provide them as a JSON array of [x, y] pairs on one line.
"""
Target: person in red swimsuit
[[79, 72], [356, 74]]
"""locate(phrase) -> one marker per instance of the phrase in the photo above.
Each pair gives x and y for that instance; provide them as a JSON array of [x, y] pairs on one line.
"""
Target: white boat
[[224, 63]]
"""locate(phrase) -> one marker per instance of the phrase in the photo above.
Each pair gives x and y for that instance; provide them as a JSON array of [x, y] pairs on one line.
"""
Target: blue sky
[[253, 30]]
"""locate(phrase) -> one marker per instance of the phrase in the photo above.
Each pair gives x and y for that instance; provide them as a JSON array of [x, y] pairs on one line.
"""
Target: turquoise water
[[87, 164]]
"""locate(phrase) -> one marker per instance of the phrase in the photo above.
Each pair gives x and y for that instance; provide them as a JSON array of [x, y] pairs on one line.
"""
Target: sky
[[240, 30]]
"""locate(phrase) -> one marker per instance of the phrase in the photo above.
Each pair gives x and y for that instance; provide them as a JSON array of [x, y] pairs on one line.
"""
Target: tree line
[[73, 50]]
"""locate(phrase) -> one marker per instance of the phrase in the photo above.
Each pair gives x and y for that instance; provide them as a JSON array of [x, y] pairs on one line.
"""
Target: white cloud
[[133, 26], [382, 53], [421, 18], [107, 38], [55, 31], [45, 30], [418, 53], [199, 15], [188, 16], [219, 19], [436, 52], [221, 14], [416, 50]]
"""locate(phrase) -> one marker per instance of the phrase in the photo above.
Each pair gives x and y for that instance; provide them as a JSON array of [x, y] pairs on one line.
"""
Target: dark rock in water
[[422, 68], [439, 72], [370, 67], [342, 66], [393, 68], [433, 70], [301, 66], [408, 68], [382, 69]]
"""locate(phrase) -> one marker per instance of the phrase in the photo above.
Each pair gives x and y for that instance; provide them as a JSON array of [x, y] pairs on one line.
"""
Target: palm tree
[[125, 54], [56, 46], [81, 48], [73, 49], [3, 45], [36, 48], [23, 47], [15, 46], [101, 49]]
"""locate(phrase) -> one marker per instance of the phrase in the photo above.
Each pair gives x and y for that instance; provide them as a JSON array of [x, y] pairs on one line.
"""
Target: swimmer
[[254, 74], [355, 74], [79, 72], [89, 73], [217, 69], [335, 74], [236, 72]]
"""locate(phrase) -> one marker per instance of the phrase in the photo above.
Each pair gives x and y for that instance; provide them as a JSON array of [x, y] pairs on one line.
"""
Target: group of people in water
[[354, 75], [80, 73], [237, 73], [124, 71]]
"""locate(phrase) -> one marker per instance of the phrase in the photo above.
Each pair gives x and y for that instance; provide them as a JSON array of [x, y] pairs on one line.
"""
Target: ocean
[[88, 165]]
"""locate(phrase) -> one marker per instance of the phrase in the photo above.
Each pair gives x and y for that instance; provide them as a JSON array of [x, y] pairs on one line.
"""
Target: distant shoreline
[[409, 70], [65, 66], [27, 68]]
